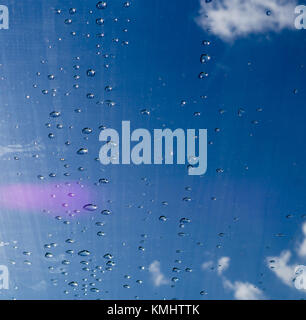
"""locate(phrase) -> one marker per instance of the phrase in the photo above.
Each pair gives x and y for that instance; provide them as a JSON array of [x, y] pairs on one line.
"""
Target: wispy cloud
[[207, 265], [18, 148], [244, 290], [281, 268], [280, 265], [223, 264], [157, 276], [302, 247], [230, 19]]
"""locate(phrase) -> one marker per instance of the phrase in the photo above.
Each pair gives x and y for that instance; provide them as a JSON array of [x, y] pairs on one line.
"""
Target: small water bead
[[203, 75], [104, 181], [51, 135], [82, 151], [205, 58], [91, 73], [185, 220], [109, 103], [72, 10], [108, 256], [106, 212], [100, 21], [90, 207], [68, 21], [145, 112], [86, 130], [162, 218], [73, 284], [51, 77], [49, 255], [101, 5], [90, 96], [55, 114], [101, 234], [127, 4], [84, 253]]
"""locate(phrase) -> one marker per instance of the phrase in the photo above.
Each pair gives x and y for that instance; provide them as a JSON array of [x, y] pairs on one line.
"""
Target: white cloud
[[207, 265], [281, 268], [244, 290], [18, 148], [280, 265], [229, 19], [40, 286], [301, 250], [157, 276], [223, 264]]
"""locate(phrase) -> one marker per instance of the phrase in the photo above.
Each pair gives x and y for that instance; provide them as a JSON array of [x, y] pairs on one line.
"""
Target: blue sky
[[246, 213]]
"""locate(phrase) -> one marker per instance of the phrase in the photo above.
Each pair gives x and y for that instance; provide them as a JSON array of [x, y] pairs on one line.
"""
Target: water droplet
[[73, 284], [55, 114], [100, 21], [87, 130], [106, 212], [82, 151], [203, 75], [84, 253], [91, 73], [101, 5], [205, 58], [90, 207], [72, 10]]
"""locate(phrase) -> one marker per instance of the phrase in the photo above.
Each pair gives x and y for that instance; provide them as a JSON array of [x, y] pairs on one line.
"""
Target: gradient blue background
[[264, 163]]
